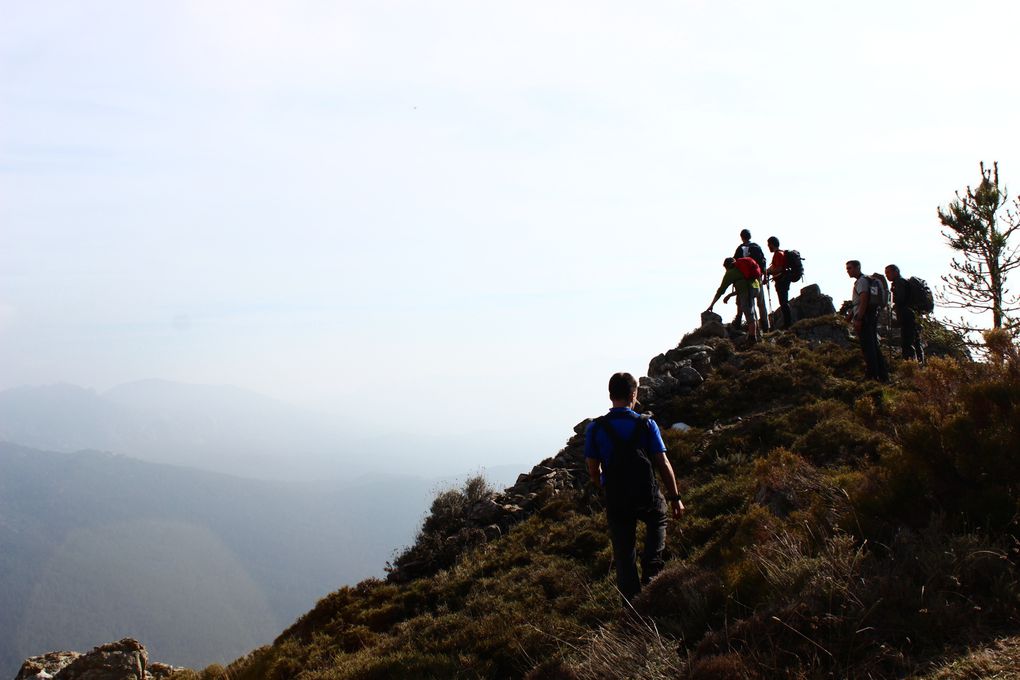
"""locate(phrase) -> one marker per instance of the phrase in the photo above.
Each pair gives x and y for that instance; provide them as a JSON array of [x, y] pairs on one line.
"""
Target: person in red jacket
[[778, 272]]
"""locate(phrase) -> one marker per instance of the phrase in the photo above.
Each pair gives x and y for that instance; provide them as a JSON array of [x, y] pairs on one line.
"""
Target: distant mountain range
[[239, 432], [218, 428], [207, 566], [205, 518]]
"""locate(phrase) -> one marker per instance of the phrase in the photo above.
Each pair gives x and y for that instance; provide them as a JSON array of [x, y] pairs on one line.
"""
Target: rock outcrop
[[125, 659], [809, 304]]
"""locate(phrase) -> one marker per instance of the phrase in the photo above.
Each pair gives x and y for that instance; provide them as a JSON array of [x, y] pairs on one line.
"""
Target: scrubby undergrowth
[[835, 528]]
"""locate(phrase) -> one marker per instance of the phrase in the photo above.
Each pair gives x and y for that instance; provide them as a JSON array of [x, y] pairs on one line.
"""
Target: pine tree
[[978, 225]]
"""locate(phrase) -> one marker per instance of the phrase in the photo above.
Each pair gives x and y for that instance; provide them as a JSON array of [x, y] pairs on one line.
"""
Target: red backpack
[[748, 267]]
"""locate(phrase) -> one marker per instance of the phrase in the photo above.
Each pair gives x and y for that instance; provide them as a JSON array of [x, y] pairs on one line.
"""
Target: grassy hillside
[[835, 528]]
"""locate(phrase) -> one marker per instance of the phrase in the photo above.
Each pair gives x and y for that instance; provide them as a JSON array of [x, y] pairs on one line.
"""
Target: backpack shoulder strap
[[614, 437], [635, 439], [640, 429]]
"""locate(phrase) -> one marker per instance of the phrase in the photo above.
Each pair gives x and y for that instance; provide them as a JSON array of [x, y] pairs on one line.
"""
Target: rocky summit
[[125, 659]]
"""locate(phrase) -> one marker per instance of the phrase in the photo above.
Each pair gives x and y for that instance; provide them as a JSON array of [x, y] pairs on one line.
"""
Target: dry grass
[[1000, 660]]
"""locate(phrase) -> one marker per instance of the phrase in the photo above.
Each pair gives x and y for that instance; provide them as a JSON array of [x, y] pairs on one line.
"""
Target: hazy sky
[[460, 214]]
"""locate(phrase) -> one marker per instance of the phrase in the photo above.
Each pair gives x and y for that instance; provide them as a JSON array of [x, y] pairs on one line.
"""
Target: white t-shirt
[[863, 285]]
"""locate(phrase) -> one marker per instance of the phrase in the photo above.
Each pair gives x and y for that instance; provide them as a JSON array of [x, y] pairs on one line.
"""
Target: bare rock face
[[711, 329], [122, 660], [809, 304], [710, 317], [45, 665]]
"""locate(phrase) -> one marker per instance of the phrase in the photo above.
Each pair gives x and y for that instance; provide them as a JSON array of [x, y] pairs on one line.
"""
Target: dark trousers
[[910, 335], [876, 367], [623, 534], [783, 293]]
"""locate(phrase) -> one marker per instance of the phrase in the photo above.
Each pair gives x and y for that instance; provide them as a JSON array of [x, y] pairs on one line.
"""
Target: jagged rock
[[122, 660], [681, 355], [484, 511], [582, 426], [710, 317], [680, 379], [161, 671], [687, 376], [712, 329], [46, 665], [702, 362], [811, 304]]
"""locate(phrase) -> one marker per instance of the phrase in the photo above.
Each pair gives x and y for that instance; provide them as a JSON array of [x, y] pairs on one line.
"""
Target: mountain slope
[[835, 528]]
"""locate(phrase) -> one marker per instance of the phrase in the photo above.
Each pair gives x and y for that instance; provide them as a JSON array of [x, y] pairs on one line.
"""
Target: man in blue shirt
[[618, 433]]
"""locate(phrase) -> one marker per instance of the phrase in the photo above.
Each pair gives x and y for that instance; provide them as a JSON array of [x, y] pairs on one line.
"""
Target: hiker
[[623, 450], [749, 248], [910, 335], [740, 273], [779, 272], [864, 316]]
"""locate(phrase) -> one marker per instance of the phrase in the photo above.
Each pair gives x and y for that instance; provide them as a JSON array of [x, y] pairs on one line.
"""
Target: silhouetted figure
[[902, 299], [864, 316], [780, 274], [749, 248]]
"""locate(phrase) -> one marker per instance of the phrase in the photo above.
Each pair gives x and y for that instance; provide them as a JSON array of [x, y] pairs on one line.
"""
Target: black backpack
[[920, 297], [794, 266], [878, 292], [754, 252], [630, 474]]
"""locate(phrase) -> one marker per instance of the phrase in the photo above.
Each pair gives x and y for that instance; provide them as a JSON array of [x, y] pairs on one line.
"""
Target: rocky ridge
[[674, 373]]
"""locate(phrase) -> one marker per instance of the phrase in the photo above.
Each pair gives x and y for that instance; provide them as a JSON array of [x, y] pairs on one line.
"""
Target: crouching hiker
[[623, 451], [744, 275]]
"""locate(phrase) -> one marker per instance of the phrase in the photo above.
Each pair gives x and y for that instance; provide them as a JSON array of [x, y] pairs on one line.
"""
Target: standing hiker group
[[873, 294], [624, 450], [750, 275]]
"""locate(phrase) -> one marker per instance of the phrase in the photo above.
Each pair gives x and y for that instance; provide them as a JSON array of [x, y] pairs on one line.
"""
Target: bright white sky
[[460, 215]]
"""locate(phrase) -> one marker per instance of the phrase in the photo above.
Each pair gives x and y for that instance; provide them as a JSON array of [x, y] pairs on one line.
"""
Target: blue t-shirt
[[623, 421]]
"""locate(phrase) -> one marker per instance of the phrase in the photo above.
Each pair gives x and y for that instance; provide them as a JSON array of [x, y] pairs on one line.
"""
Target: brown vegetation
[[836, 528]]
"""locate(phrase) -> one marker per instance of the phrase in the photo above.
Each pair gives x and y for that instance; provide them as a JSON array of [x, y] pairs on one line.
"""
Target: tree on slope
[[978, 225]]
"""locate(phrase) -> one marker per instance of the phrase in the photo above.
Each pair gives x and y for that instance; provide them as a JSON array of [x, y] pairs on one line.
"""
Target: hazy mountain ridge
[[219, 428], [94, 546], [235, 431]]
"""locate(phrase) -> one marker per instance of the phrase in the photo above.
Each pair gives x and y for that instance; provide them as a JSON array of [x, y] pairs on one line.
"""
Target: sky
[[459, 217]]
